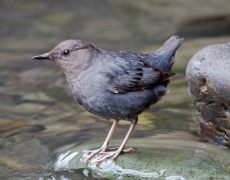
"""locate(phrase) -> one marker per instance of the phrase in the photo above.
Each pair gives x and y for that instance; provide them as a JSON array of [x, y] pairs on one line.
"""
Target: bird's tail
[[171, 45], [163, 58]]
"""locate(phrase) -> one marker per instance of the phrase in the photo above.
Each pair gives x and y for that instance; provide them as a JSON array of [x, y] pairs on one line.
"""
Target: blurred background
[[38, 117]]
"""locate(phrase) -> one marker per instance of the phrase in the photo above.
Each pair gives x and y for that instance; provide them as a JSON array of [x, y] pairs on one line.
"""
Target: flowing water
[[44, 134]]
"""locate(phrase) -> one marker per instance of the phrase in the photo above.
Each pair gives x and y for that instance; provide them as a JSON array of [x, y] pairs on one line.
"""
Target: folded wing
[[128, 76]]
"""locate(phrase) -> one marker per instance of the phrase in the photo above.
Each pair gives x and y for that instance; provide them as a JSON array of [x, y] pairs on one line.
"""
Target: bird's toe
[[105, 157], [128, 150], [96, 151]]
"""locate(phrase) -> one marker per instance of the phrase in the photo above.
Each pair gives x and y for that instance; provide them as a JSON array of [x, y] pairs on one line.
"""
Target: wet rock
[[209, 79], [28, 108], [79, 174], [39, 75], [17, 131], [38, 97], [9, 125], [13, 164], [23, 160], [172, 156]]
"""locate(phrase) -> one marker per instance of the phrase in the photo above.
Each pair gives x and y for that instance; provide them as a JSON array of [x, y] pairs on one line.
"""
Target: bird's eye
[[66, 52]]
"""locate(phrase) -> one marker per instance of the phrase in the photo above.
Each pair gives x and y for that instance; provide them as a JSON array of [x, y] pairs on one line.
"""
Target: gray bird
[[114, 84]]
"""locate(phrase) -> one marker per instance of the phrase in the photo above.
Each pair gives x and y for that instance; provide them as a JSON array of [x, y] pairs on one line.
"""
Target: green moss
[[175, 154]]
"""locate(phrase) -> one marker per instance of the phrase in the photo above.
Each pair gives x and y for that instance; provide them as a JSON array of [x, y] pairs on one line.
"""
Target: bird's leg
[[104, 147], [109, 136], [120, 150]]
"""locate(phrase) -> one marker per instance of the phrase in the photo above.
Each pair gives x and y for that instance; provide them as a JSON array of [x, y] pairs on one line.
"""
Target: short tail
[[163, 58], [171, 45]]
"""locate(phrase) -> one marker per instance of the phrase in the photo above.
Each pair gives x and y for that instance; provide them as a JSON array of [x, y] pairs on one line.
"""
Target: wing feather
[[127, 75]]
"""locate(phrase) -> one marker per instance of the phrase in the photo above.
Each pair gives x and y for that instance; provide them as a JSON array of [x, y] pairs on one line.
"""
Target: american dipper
[[114, 84]]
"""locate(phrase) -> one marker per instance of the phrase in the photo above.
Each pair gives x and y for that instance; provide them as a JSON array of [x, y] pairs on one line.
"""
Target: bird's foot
[[124, 151], [114, 154], [96, 151]]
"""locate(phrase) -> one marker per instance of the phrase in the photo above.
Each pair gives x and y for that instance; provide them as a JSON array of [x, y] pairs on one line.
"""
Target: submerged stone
[[29, 108], [209, 83], [37, 97]]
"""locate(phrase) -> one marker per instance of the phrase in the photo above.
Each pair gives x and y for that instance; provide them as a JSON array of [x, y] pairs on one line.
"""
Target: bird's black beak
[[42, 56]]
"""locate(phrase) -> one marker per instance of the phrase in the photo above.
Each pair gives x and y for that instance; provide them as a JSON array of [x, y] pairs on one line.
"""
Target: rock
[[8, 125], [209, 83], [24, 160], [38, 97], [13, 164], [28, 108], [41, 76], [172, 156]]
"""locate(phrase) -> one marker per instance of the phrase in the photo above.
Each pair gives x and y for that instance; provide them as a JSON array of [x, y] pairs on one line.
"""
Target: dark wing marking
[[129, 76], [127, 81]]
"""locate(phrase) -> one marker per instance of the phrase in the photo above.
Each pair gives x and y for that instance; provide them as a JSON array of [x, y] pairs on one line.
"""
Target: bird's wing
[[127, 76]]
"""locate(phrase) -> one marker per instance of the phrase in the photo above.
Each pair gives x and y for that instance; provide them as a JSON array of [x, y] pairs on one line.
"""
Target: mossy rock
[[158, 157]]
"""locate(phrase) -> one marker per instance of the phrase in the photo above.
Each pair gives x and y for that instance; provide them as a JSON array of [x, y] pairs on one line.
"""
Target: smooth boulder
[[208, 76]]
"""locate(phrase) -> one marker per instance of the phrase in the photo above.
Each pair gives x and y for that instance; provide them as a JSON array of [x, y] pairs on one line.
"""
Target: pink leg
[[104, 147], [121, 148]]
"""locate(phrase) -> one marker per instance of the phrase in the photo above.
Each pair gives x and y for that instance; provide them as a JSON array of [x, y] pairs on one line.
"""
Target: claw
[[95, 152], [128, 150], [99, 161], [113, 155]]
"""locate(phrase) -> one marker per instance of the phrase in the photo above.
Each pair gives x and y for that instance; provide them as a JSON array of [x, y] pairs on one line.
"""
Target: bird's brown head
[[69, 55]]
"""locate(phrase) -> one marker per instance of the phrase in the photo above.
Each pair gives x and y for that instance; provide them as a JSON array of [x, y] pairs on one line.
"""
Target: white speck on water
[[108, 167], [63, 178], [63, 160], [174, 178], [86, 172]]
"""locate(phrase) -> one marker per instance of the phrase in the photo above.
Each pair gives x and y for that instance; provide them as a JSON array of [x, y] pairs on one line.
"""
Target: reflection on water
[[43, 131]]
